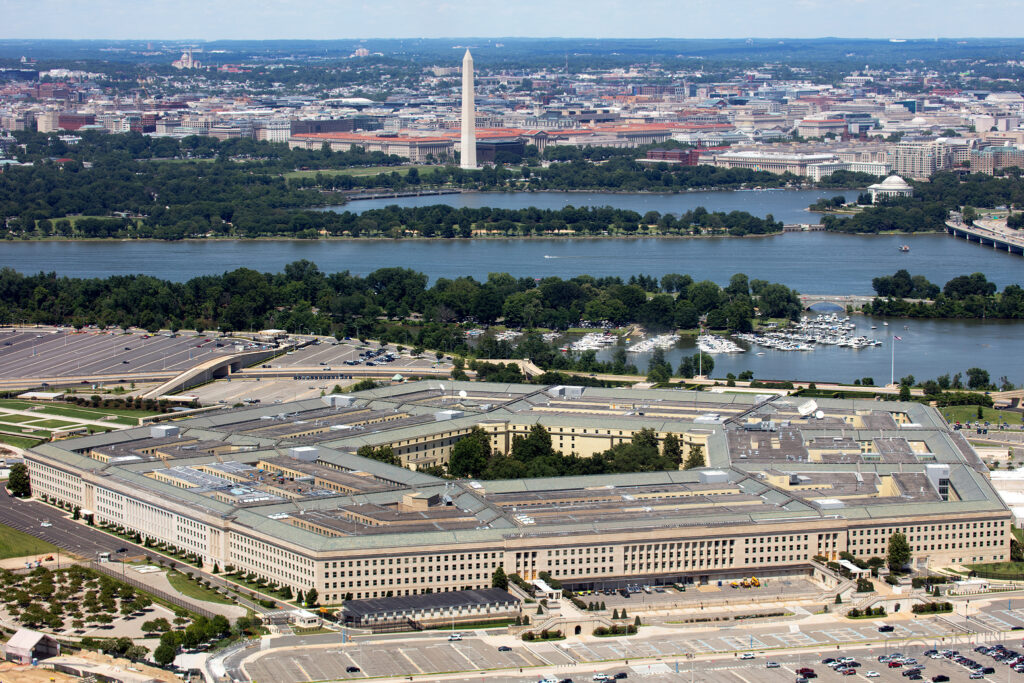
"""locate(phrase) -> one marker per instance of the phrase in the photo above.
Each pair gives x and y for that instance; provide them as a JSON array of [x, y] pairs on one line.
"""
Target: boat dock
[[992, 233]]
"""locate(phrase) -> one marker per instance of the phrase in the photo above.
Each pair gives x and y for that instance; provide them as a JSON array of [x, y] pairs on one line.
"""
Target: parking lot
[[338, 355], [419, 654], [428, 655], [771, 590], [264, 390], [432, 653], [55, 354]]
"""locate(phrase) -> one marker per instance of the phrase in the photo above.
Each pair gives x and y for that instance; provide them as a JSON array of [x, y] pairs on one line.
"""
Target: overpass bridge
[[989, 233], [1013, 398], [215, 368]]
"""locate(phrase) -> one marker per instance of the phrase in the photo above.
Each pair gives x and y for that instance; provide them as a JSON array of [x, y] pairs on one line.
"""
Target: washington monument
[[468, 142]]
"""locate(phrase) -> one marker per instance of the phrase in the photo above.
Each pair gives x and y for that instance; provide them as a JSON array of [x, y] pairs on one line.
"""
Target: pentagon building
[[280, 492]]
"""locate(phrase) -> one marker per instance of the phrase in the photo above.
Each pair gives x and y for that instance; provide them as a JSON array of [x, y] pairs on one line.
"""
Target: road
[[82, 540], [27, 515]]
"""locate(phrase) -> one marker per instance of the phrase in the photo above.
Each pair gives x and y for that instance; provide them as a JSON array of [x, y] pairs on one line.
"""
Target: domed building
[[893, 186]]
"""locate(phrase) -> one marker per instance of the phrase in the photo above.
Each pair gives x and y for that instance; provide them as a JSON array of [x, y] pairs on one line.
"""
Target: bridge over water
[[843, 300], [989, 233]]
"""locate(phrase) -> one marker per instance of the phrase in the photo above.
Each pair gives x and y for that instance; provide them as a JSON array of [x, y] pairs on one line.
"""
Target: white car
[[747, 655], [600, 677], [455, 636], [46, 524], [872, 674]]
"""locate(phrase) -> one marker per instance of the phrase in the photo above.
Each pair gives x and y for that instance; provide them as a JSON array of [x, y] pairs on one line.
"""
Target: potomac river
[[811, 262]]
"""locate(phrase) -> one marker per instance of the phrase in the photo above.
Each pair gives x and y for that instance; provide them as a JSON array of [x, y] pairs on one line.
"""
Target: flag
[[897, 338]]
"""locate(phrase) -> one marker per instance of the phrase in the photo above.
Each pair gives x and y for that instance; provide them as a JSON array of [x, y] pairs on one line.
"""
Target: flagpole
[[892, 364]]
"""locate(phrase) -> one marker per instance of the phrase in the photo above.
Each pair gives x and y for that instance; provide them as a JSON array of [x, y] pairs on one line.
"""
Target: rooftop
[[771, 463]]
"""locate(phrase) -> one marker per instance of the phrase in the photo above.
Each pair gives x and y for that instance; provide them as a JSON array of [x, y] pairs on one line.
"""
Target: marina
[[709, 343], [593, 341], [662, 341], [825, 330]]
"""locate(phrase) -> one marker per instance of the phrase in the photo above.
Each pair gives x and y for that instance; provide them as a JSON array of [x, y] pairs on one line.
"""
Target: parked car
[[504, 648], [772, 665]]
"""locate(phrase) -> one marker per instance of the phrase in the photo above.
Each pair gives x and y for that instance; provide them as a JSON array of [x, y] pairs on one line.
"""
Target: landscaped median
[[609, 632]]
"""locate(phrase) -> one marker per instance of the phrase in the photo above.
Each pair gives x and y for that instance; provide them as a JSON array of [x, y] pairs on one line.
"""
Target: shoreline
[[689, 190], [489, 238]]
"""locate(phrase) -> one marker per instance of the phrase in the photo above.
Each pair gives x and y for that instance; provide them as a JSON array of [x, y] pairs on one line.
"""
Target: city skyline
[[279, 19]]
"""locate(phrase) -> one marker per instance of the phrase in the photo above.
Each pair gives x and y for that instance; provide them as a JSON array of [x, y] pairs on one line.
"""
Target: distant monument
[[468, 141], [187, 61]]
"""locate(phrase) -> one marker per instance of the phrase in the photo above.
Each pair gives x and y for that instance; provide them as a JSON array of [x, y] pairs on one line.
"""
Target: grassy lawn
[[20, 441], [999, 569], [92, 414], [970, 414], [183, 585], [16, 419], [74, 411], [1017, 533], [16, 405], [53, 424], [14, 543], [31, 433], [358, 171]]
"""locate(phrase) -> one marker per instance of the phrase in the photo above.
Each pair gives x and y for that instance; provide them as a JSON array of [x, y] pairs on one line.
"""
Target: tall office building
[[468, 146]]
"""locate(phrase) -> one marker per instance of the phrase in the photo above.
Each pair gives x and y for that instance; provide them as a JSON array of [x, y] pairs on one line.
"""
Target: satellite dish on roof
[[462, 393], [819, 414]]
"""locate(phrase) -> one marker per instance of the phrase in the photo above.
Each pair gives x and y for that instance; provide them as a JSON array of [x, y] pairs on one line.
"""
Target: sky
[[367, 19]]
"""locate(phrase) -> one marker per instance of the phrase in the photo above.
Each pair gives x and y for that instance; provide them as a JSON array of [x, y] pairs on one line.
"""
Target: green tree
[[384, 454], [904, 392], [898, 556], [695, 458], [18, 481], [312, 597], [671, 450], [164, 654], [658, 369], [499, 579], [470, 454]]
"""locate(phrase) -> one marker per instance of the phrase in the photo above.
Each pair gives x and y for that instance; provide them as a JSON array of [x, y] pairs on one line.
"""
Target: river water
[[926, 349], [810, 262]]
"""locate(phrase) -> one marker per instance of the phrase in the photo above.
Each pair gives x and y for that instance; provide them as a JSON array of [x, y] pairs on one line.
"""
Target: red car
[[895, 665], [848, 672]]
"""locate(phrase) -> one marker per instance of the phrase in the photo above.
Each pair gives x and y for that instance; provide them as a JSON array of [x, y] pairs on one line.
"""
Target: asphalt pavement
[[28, 515]]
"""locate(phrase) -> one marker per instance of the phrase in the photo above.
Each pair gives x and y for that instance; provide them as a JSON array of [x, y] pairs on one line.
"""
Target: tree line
[[441, 220], [302, 297], [964, 296]]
